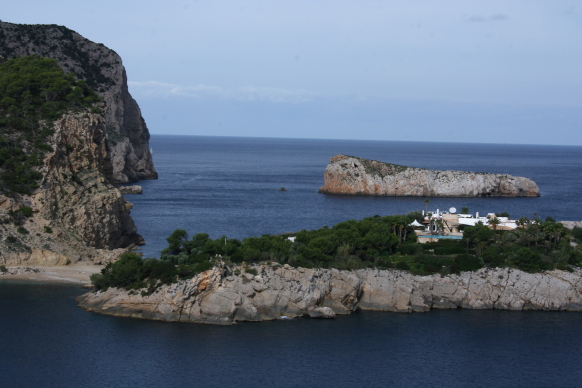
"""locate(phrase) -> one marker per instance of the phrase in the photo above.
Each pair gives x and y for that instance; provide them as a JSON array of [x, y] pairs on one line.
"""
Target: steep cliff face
[[103, 70], [350, 175], [75, 190], [76, 213], [220, 296]]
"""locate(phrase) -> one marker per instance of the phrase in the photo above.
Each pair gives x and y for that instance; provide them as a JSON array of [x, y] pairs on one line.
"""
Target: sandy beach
[[76, 273]]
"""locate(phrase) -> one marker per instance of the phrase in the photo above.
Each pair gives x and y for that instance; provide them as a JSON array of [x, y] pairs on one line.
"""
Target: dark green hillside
[[34, 91]]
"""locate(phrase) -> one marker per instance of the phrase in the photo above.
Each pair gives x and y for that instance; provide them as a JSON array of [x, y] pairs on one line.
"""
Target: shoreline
[[71, 274], [225, 295]]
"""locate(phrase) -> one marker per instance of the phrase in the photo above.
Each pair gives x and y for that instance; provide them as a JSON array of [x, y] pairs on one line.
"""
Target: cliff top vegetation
[[34, 91]]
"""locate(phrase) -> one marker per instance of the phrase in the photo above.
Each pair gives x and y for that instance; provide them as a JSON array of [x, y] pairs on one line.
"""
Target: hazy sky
[[467, 71]]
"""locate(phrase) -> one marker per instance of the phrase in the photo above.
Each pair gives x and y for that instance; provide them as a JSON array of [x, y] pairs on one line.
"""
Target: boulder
[[131, 189]]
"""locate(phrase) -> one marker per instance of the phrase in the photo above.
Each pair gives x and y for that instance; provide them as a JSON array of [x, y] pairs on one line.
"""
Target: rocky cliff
[[103, 70], [350, 175], [76, 212], [225, 295]]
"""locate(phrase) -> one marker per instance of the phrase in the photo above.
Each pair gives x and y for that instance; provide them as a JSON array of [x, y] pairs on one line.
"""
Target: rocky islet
[[349, 175]]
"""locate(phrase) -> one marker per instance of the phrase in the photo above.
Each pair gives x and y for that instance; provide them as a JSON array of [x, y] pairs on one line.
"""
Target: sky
[[482, 71]]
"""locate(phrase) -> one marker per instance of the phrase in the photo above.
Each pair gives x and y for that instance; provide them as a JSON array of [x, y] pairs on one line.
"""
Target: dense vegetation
[[375, 242], [34, 91], [133, 272]]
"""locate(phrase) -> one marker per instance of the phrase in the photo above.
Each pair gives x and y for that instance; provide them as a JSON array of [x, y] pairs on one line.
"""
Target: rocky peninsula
[[227, 294], [349, 175]]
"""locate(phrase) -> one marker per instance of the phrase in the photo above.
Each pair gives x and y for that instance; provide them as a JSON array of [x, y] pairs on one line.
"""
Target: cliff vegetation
[[34, 92], [57, 204]]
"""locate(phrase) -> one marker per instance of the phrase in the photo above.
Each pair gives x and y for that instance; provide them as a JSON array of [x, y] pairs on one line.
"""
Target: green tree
[[495, 223], [479, 235], [526, 260], [176, 239]]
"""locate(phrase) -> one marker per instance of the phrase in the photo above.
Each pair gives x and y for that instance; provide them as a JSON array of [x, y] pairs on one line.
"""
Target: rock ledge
[[219, 296]]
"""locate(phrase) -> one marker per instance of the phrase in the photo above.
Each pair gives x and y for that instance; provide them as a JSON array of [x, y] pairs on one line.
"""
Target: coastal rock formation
[[225, 295], [572, 224], [102, 68], [76, 212], [75, 190], [350, 175]]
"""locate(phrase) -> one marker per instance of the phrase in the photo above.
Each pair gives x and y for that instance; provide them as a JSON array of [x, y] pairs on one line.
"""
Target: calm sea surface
[[231, 186]]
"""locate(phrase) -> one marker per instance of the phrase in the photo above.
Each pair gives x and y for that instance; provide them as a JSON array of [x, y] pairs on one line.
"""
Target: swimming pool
[[441, 237]]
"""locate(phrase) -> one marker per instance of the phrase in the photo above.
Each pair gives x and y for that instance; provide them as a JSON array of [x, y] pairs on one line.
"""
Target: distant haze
[[460, 71]]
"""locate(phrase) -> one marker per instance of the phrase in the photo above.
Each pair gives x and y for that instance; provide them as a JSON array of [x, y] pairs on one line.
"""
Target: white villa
[[446, 224]]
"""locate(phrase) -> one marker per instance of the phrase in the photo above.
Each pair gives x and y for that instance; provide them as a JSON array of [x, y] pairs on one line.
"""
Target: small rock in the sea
[[283, 189], [135, 189]]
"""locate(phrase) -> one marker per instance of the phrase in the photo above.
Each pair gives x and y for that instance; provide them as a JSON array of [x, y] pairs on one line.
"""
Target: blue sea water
[[231, 186]]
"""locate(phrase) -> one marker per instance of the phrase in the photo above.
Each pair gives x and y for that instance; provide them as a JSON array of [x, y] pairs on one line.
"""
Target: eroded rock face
[[75, 191], [77, 213], [349, 175], [220, 296], [103, 70]]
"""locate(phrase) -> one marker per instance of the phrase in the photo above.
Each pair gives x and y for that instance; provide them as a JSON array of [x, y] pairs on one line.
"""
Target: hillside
[[57, 204], [102, 69]]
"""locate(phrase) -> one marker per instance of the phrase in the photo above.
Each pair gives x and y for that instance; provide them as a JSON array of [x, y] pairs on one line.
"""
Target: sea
[[232, 186]]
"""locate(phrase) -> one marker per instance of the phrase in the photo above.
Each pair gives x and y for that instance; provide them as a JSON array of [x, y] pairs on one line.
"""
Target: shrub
[[575, 258], [26, 211], [577, 233], [11, 239], [450, 250], [402, 265], [252, 271], [433, 264], [409, 249], [22, 230], [3, 268], [48, 229], [527, 260], [466, 262], [493, 257], [204, 266]]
